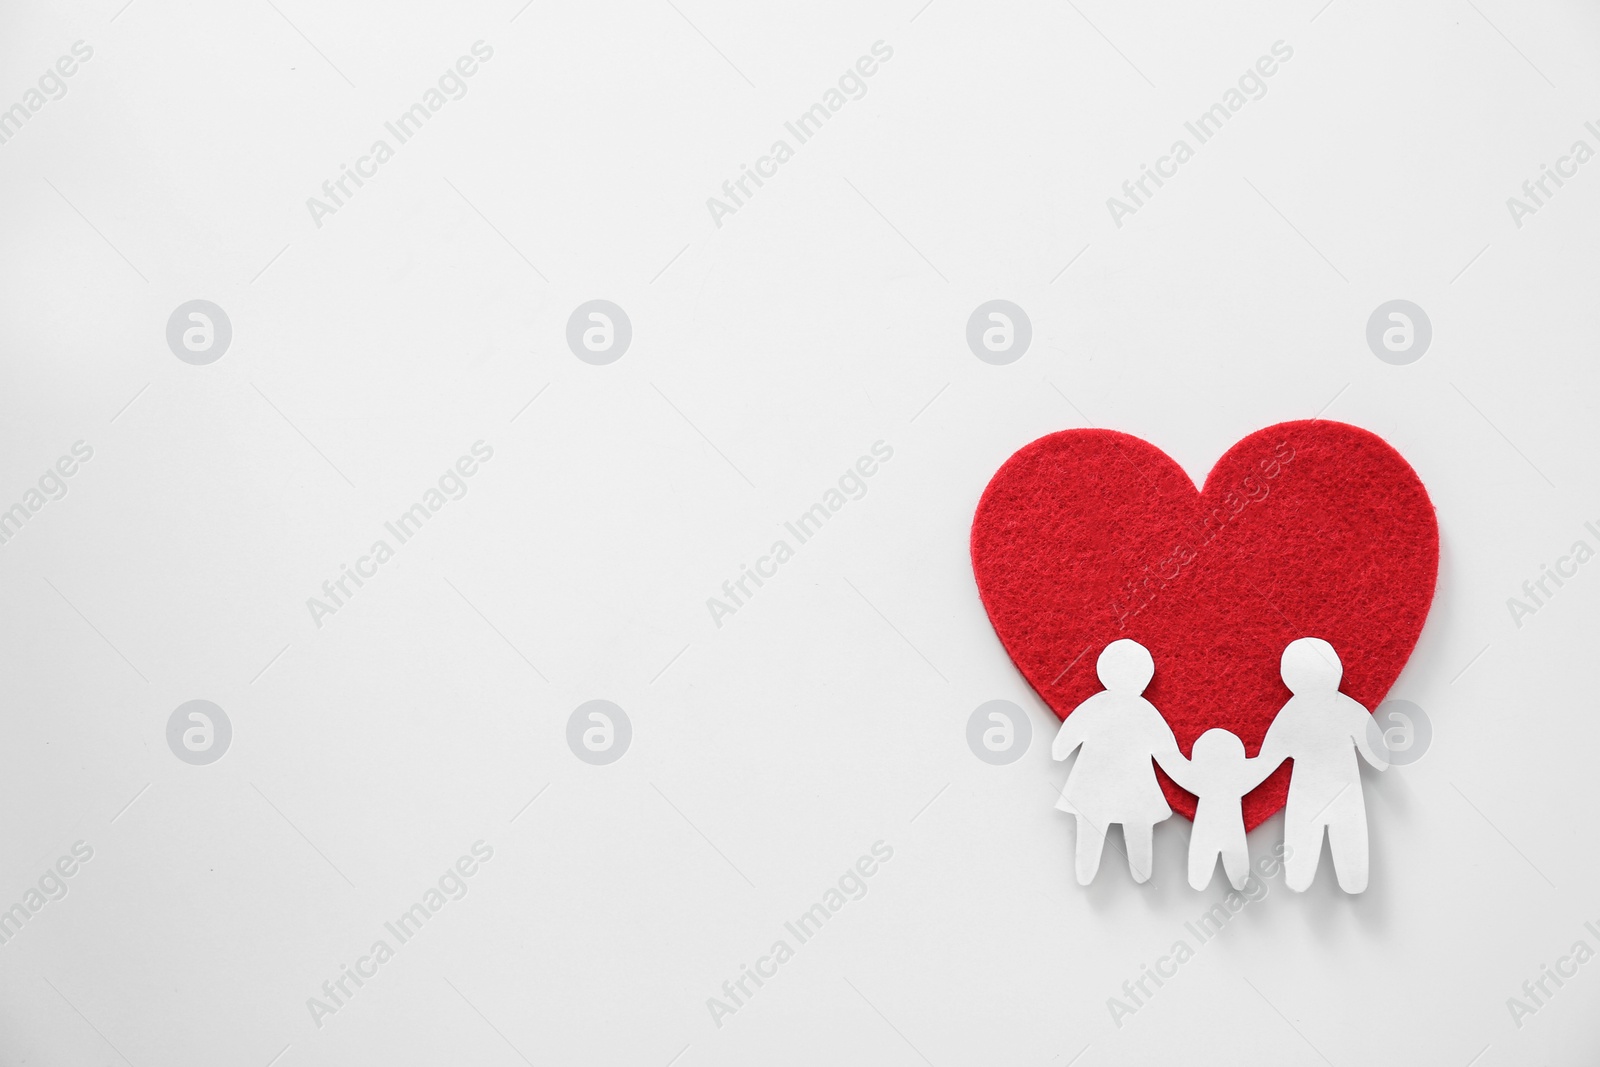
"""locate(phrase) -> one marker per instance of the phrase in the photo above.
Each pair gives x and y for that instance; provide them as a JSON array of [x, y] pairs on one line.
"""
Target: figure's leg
[[1236, 862], [1139, 837], [1202, 864], [1091, 840], [1202, 860], [1347, 838], [1304, 843]]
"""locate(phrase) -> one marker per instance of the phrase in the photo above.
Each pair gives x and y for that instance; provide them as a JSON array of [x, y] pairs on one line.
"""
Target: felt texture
[[1303, 529]]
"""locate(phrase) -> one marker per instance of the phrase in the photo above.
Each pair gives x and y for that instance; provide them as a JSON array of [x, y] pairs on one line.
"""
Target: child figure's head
[[1125, 667], [1218, 748]]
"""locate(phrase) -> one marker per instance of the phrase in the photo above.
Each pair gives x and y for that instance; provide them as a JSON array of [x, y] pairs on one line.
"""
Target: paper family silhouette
[[1121, 733]]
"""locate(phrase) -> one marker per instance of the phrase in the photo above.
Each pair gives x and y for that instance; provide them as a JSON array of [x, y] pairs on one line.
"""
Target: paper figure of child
[[1321, 729], [1114, 780], [1220, 775]]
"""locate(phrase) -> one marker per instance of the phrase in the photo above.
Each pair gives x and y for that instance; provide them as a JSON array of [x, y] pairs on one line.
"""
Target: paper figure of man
[[1114, 780], [1322, 729]]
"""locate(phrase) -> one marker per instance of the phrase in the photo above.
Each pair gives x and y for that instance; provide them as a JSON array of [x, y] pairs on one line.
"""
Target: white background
[[768, 354]]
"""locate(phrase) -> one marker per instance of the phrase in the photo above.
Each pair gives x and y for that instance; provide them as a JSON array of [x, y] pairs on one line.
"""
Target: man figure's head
[[1310, 666]]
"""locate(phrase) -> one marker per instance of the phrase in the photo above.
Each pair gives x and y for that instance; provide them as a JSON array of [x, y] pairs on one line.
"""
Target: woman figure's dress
[[1114, 780]]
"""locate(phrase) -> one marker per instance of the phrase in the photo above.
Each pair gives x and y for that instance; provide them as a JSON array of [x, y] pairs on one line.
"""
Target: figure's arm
[[1257, 770], [1368, 738], [1274, 748], [1070, 736], [1179, 769], [1164, 750]]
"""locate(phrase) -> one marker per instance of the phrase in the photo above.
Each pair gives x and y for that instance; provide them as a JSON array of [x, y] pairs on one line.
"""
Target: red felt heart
[[1303, 529]]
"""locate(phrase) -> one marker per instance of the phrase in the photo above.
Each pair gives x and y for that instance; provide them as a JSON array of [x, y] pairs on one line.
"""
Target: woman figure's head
[[1125, 667]]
